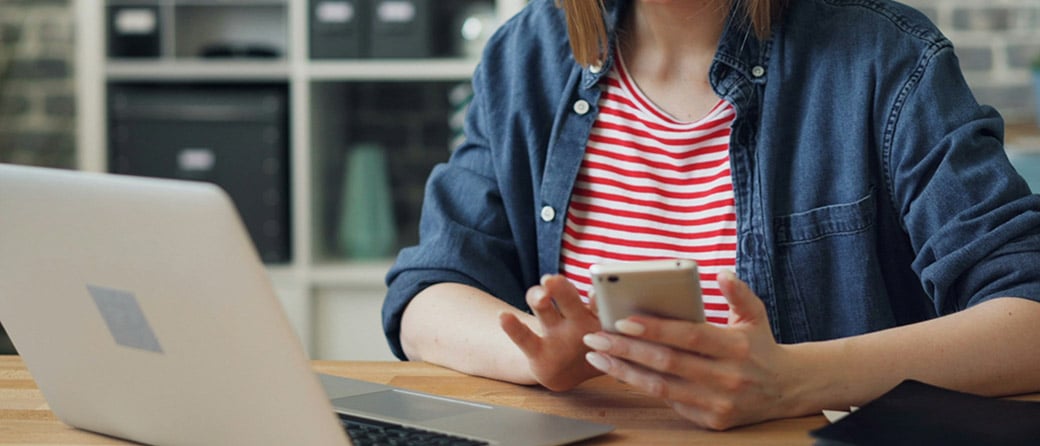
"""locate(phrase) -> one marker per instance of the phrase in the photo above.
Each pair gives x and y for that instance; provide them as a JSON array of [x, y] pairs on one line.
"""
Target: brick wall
[[37, 103], [995, 40]]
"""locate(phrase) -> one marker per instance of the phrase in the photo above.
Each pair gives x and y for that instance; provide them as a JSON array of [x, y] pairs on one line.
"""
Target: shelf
[[407, 106], [195, 69], [239, 3], [266, 70], [282, 274], [356, 274], [367, 70], [392, 70]]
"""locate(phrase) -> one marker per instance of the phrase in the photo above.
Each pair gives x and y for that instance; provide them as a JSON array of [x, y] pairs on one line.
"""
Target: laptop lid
[[143, 312]]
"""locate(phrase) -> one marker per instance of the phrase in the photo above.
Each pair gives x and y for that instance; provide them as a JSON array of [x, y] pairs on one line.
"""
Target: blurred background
[[349, 103], [997, 42]]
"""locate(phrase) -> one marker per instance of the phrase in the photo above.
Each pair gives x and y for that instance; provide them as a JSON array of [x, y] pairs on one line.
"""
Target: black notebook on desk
[[915, 413]]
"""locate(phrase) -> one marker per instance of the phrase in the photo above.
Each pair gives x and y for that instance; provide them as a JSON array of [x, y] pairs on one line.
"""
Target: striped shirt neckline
[[653, 187]]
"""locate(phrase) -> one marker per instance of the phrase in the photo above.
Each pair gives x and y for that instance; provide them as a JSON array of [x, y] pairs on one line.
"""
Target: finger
[[655, 384], [593, 306], [660, 358], [568, 300], [521, 335], [699, 403], [691, 412], [744, 305], [542, 306], [694, 399], [703, 339], [718, 416]]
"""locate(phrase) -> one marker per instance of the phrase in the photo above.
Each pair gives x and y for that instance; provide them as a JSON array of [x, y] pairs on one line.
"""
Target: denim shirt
[[871, 189]]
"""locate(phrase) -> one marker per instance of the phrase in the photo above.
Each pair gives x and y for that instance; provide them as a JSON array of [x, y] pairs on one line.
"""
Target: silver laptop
[[143, 312]]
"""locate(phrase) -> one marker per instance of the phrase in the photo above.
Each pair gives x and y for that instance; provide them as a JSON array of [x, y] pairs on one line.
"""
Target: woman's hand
[[552, 338], [717, 377]]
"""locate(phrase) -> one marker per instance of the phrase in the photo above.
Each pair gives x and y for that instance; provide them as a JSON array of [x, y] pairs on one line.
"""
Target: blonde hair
[[588, 30]]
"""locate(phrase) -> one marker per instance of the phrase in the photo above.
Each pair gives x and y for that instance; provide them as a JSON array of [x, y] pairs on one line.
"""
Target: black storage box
[[401, 29], [133, 31], [338, 29], [234, 136]]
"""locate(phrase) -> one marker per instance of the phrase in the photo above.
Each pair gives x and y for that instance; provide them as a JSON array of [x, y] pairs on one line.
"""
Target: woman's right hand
[[552, 338]]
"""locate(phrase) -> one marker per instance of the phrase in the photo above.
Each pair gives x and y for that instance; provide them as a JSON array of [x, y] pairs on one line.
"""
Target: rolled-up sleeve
[[465, 234], [971, 218]]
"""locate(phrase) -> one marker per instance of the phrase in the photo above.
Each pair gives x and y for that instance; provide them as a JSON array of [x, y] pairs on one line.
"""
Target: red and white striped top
[[651, 187]]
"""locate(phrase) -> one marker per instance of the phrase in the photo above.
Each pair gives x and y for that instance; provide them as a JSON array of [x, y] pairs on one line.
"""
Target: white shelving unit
[[334, 304]]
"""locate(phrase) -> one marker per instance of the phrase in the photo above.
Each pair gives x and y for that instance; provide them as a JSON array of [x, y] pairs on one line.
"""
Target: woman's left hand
[[718, 377]]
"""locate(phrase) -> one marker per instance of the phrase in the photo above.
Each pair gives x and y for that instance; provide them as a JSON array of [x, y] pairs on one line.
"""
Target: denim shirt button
[[548, 213], [595, 69], [758, 71], [581, 107]]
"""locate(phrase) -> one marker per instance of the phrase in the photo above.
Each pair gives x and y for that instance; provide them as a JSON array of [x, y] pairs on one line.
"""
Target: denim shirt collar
[[615, 11], [739, 50]]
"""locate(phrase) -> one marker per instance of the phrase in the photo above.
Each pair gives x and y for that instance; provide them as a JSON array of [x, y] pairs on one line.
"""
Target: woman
[[828, 151]]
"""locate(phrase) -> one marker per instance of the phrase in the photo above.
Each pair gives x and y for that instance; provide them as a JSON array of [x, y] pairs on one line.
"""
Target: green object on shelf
[[366, 228]]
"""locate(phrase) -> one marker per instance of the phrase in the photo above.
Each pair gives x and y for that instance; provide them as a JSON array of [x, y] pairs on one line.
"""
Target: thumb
[[591, 302], [744, 305]]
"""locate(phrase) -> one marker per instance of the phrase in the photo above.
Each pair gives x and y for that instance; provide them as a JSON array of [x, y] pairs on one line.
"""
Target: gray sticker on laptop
[[124, 318]]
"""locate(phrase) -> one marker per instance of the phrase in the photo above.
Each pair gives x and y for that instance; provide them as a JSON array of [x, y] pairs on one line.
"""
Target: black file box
[[401, 29], [133, 31], [234, 136], [338, 29]]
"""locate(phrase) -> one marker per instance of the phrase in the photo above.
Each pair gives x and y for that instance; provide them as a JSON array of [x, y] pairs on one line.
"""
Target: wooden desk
[[26, 420], [639, 420]]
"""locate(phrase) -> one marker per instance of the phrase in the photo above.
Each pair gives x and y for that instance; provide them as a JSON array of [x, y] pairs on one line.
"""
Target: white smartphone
[[662, 288]]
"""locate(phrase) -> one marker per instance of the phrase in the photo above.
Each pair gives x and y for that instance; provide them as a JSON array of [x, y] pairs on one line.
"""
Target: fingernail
[[596, 342], [630, 328], [543, 294], [598, 361], [727, 275], [544, 278]]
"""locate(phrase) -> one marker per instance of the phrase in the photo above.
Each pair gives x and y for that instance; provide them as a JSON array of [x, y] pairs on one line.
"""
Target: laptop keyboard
[[364, 432]]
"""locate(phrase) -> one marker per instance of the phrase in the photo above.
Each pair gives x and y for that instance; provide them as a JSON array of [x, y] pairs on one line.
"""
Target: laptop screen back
[[142, 311]]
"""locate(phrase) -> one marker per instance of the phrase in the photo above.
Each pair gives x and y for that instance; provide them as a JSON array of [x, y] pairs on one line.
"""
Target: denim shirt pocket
[[827, 221], [829, 270]]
